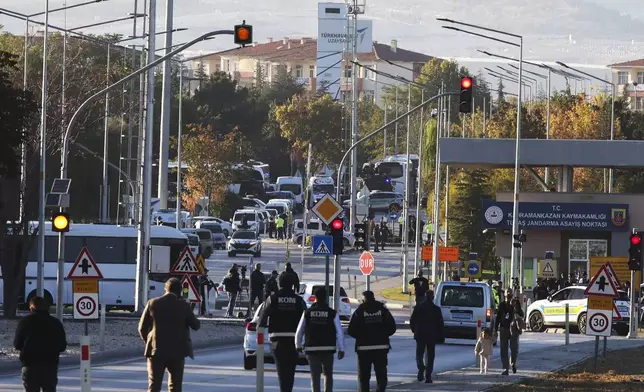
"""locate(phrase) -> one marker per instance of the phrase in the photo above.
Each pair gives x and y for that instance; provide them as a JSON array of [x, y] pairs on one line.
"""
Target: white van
[[320, 186], [462, 305], [253, 219], [280, 206], [293, 184]]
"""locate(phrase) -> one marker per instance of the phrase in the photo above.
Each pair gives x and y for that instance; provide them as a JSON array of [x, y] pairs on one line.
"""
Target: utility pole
[[352, 16], [405, 234], [166, 108], [105, 187], [143, 240], [396, 126]]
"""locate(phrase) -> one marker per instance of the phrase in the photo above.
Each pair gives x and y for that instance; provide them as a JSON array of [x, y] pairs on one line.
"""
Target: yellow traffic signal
[[60, 222], [243, 34]]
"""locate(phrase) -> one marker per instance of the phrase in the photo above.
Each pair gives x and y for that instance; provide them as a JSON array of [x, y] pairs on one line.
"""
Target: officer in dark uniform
[[282, 314], [371, 326], [318, 333]]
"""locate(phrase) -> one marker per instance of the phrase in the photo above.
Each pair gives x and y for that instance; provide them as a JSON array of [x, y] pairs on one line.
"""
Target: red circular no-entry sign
[[367, 263]]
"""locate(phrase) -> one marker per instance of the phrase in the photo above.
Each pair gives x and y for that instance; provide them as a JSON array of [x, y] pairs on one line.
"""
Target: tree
[[313, 120], [18, 114], [210, 157], [471, 187]]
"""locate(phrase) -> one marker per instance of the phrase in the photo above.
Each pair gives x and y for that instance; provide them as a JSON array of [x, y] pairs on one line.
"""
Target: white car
[[250, 343], [307, 290], [285, 201], [226, 226], [552, 311], [245, 241]]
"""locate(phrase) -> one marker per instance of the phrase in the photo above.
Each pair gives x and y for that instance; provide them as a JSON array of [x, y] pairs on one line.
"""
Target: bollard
[[101, 328], [349, 277], [479, 328], [605, 346], [355, 287], [567, 324], [85, 366], [259, 355]]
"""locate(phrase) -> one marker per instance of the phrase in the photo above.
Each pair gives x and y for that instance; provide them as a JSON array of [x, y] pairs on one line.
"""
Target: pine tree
[[500, 92], [465, 214]]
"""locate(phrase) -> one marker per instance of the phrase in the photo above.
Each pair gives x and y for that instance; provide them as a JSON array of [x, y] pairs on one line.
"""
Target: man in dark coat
[[294, 278], [421, 285], [427, 325], [257, 282], [165, 328], [40, 338]]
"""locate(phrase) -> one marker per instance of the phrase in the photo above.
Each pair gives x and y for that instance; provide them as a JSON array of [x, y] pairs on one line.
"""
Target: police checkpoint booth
[[576, 227]]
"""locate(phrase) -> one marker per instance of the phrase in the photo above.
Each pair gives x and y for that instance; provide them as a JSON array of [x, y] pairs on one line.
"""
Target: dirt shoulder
[[620, 370]]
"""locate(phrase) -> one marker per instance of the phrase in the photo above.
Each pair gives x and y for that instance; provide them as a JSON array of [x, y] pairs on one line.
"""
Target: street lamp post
[[612, 113], [166, 108], [517, 167]]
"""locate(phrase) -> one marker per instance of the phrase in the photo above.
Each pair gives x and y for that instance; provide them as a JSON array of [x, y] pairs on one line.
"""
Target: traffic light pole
[[336, 282], [633, 319]]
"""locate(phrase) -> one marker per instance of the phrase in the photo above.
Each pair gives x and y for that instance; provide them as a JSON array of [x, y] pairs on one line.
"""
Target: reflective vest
[[320, 336], [290, 219], [429, 228], [279, 223], [401, 220], [284, 310]]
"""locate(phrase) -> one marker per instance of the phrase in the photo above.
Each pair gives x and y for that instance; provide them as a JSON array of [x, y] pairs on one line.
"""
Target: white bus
[[395, 167], [114, 249]]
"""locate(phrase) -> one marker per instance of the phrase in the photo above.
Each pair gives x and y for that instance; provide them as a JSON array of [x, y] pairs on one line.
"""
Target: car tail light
[[488, 314], [312, 298], [220, 289], [251, 327], [345, 300]]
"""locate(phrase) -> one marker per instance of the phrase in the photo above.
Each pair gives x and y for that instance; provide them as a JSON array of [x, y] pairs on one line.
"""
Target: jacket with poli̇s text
[[371, 326], [505, 315], [40, 338], [282, 314], [165, 327], [257, 281], [320, 330], [427, 324], [421, 285], [484, 347]]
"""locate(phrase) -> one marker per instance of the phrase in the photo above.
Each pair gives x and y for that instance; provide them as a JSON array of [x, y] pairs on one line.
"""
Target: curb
[[102, 357]]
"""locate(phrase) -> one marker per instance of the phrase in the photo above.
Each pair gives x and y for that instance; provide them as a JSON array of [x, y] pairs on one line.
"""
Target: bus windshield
[[323, 188]]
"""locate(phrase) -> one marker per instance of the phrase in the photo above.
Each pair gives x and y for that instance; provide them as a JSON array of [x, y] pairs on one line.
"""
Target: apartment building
[[299, 57], [628, 78]]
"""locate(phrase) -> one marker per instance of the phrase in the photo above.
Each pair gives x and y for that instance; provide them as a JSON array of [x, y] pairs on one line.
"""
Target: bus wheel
[[49, 299]]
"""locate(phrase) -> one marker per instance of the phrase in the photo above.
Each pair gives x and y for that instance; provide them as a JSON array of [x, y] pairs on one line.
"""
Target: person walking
[[232, 285], [371, 326], [505, 315], [271, 225], [483, 350], [318, 335], [271, 285], [376, 235], [421, 285], [282, 313], [257, 283], [279, 224], [165, 329], [427, 324], [40, 338], [384, 233], [288, 269]]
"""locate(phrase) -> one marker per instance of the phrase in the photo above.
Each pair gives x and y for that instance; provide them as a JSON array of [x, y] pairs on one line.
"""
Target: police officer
[[317, 334], [371, 326], [282, 314]]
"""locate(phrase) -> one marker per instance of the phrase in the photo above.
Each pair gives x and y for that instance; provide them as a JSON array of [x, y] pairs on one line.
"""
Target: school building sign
[[557, 216]]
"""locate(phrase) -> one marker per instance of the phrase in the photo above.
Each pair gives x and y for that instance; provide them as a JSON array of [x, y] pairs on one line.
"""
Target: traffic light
[[60, 222], [337, 232], [635, 252], [520, 239], [360, 232], [466, 95], [243, 34]]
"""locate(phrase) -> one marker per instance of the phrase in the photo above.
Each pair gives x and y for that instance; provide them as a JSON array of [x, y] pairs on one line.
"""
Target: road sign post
[[601, 292], [84, 275]]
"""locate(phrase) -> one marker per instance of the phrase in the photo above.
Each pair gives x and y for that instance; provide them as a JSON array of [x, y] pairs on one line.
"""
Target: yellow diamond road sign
[[327, 209]]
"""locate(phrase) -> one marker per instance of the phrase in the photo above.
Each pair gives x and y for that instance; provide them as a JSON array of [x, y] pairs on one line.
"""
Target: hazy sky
[[595, 32]]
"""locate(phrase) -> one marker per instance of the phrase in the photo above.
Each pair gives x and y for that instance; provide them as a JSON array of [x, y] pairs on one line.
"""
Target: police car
[[250, 343], [308, 288], [551, 312], [245, 241]]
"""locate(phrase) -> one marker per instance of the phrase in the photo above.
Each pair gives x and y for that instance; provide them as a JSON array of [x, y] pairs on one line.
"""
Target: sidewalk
[[532, 364]]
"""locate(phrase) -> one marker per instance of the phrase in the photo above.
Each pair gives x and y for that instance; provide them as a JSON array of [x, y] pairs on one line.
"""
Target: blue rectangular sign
[[557, 216], [322, 245]]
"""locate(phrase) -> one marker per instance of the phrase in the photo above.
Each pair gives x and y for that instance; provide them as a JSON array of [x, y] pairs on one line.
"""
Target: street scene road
[[221, 368]]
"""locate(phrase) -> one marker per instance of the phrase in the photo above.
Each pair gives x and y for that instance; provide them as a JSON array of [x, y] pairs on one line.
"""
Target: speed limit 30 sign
[[85, 306], [599, 322]]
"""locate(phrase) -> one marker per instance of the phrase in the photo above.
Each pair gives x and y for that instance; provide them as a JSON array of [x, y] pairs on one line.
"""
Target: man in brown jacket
[[164, 327]]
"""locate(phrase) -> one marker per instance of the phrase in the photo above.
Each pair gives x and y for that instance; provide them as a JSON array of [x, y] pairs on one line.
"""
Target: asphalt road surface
[[221, 369]]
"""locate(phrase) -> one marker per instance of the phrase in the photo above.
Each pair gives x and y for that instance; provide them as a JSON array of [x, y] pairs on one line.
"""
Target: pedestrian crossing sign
[[186, 264], [547, 269], [323, 245]]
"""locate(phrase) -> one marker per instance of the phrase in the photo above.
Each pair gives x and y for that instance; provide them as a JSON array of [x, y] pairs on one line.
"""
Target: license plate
[[461, 316]]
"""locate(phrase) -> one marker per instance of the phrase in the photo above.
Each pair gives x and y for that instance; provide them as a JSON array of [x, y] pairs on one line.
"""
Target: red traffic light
[[636, 239], [466, 82], [337, 224]]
